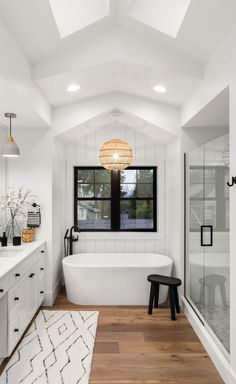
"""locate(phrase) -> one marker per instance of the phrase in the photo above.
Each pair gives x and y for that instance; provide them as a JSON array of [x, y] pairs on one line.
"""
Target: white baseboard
[[218, 358], [50, 297]]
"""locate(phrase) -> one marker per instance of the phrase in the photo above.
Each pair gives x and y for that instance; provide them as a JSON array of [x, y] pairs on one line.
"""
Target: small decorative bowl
[[27, 235]]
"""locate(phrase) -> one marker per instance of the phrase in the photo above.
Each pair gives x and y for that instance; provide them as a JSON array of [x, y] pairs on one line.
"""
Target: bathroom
[[182, 139]]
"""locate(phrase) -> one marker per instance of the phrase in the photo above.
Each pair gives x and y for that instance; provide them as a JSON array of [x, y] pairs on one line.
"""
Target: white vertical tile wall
[[146, 151]]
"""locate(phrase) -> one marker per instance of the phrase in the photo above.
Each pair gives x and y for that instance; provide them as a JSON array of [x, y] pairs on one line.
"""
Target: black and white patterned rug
[[57, 349]]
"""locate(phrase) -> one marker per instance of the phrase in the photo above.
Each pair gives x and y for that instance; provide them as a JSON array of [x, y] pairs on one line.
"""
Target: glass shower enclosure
[[207, 236]]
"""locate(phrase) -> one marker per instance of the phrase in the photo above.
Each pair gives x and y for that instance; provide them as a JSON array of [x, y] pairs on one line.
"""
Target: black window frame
[[116, 199]]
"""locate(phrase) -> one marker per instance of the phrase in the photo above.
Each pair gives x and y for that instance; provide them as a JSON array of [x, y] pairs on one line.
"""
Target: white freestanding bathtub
[[113, 279]]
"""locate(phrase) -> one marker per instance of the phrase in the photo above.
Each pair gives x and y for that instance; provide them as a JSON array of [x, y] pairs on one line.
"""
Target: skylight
[[73, 15], [165, 15]]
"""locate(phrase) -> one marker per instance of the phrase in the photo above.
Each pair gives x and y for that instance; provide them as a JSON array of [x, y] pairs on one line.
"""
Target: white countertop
[[7, 263]]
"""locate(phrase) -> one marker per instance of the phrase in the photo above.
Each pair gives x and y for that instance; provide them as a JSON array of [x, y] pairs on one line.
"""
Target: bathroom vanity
[[22, 280]]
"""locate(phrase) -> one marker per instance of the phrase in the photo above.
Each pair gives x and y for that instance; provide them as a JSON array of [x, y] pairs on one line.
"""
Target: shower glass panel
[[207, 236]]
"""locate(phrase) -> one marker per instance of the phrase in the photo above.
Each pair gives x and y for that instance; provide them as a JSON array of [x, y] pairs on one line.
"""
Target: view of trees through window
[[124, 200]]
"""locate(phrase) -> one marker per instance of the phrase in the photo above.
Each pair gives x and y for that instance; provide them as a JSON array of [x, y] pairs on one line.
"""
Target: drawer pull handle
[[41, 269], [16, 298], [16, 330], [17, 275], [1, 290], [42, 251], [31, 275], [41, 291]]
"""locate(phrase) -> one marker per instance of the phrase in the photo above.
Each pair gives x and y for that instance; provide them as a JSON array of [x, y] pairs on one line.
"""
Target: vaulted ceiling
[[117, 46]]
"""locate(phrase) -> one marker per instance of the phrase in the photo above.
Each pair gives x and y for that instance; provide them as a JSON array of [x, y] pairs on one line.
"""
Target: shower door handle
[[205, 243]]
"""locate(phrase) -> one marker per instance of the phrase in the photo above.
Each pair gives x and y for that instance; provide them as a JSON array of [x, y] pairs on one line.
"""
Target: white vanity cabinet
[[23, 293]]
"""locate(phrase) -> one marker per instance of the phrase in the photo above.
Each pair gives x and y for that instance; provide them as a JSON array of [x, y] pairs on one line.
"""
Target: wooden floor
[[134, 348]]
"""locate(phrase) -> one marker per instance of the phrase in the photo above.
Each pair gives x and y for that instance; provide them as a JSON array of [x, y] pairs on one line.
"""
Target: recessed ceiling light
[[160, 88], [73, 88]]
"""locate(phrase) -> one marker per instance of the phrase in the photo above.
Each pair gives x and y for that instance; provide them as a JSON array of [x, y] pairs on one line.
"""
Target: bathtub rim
[[66, 262]]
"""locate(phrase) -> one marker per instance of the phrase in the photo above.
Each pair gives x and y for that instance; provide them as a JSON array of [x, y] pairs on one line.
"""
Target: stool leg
[[172, 302], [176, 300], [211, 295], [156, 299], [151, 298], [223, 294], [201, 296]]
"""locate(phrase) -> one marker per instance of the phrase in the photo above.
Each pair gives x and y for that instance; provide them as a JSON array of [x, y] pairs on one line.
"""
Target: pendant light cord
[[10, 125]]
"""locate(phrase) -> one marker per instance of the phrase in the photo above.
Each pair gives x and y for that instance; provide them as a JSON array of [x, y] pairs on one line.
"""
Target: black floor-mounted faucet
[[69, 240]]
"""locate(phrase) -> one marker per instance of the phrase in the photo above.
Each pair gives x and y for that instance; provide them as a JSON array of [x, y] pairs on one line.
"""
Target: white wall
[[146, 151], [58, 212], [3, 179], [34, 170], [174, 206]]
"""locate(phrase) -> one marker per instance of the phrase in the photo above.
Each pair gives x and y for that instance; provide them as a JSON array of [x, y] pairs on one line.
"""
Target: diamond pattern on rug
[[57, 349]]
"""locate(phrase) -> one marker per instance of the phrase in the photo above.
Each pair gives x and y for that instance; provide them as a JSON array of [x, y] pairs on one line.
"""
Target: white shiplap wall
[[84, 151]]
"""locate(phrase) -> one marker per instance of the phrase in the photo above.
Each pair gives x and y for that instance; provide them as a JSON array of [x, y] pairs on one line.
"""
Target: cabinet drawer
[[4, 285], [40, 291], [18, 272], [41, 268], [17, 299]]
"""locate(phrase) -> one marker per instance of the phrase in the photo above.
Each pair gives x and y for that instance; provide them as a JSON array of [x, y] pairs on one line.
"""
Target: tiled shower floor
[[218, 318]]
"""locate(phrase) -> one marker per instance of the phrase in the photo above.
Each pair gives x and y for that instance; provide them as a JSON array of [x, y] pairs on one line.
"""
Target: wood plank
[[161, 347], [184, 368], [106, 347], [119, 336]]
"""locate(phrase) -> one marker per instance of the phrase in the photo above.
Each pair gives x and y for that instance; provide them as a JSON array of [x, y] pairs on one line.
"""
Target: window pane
[[85, 176], [85, 190], [196, 191], [210, 182], [196, 214], [128, 176], [196, 183], [94, 214], [145, 190], [102, 190], [210, 175], [102, 176], [196, 175], [210, 190], [210, 213], [145, 176], [136, 214], [128, 190]]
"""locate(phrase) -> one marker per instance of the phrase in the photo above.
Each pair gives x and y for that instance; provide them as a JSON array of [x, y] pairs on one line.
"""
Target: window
[[116, 200], [209, 197]]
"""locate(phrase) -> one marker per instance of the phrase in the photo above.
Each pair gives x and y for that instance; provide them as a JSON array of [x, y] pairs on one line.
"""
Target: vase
[[13, 229]]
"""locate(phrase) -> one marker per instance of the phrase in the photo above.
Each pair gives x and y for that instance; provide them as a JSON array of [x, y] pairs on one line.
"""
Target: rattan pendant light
[[115, 154]]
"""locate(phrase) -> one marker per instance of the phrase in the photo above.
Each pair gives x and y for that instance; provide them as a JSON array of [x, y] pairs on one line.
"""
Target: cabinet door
[[41, 280], [32, 291], [17, 300]]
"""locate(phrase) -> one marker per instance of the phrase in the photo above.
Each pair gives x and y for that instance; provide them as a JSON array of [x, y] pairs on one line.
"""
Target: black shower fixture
[[232, 182]]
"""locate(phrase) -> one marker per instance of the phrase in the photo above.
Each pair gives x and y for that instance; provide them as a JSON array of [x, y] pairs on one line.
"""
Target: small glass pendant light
[[10, 149]]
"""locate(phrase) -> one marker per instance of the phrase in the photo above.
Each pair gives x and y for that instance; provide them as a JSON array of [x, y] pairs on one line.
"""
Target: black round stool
[[172, 283]]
